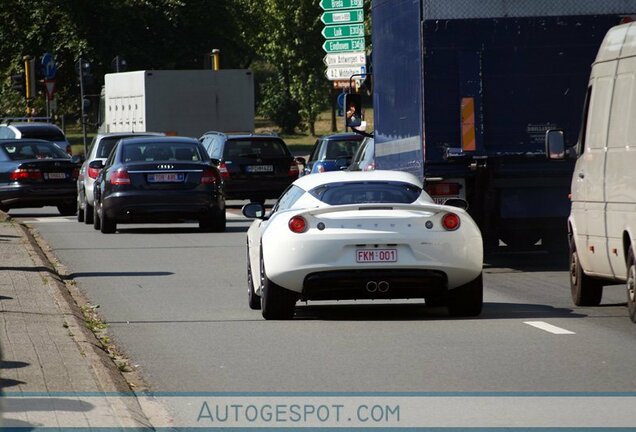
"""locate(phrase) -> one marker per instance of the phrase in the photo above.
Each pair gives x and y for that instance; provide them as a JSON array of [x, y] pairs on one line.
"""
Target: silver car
[[100, 149]]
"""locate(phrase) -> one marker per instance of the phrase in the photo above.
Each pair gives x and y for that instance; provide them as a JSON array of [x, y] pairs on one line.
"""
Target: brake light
[[293, 170], [225, 174], [208, 176], [298, 224], [26, 174], [92, 172], [443, 189], [119, 177], [450, 221]]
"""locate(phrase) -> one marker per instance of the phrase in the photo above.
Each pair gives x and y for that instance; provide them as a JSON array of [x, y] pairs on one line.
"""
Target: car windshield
[[48, 133], [164, 151], [366, 192], [31, 150], [254, 148]]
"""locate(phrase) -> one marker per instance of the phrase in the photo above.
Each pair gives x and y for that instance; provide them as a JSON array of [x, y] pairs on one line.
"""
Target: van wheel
[[586, 291], [467, 300], [631, 285]]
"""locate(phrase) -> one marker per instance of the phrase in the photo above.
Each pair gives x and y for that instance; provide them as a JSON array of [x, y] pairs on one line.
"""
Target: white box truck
[[178, 102]]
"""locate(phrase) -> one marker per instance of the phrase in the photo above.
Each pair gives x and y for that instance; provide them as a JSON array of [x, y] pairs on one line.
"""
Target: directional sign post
[[343, 45], [345, 59], [340, 4], [342, 31], [339, 73], [343, 17]]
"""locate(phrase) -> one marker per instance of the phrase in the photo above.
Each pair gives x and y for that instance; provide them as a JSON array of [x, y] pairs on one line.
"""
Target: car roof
[[128, 134], [32, 125], [243, 135], [159, 139], [24, 141], [342, 137], [311, 181]]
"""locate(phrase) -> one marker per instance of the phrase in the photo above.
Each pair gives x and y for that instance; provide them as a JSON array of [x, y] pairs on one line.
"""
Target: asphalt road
[[176, 302]]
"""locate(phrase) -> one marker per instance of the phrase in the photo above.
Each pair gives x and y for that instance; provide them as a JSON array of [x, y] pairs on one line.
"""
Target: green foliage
[[278, 105]]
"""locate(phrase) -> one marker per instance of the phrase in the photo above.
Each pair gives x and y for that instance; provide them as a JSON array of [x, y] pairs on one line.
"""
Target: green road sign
[[344, 45], [342, 31], [340, 4], [343, 17]]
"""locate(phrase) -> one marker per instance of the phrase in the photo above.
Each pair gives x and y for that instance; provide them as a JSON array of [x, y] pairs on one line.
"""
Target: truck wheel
[[631, 285], [585, 290], [467, 300], [277, 303], [253, 299], [88, 217]]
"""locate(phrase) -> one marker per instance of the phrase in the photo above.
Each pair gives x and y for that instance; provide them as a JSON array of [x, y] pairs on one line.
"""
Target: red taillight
[[208, 176], [119, 177], [450, 221], [92, 172], [225, 174], [293, 170], [443, 189], [298, 224], [26, 174]]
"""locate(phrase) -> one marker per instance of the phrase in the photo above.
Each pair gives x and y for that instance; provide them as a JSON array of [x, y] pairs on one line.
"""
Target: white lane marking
[[48, 220], [548, 327]]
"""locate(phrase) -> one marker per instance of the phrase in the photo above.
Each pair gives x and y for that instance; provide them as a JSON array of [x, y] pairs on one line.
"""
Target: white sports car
[[362, 235]]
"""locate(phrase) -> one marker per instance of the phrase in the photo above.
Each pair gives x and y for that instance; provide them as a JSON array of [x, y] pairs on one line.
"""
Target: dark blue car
[[332, 153]]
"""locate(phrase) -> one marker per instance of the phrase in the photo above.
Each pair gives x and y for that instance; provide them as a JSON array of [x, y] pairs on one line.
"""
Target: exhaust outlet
[[372, 286], [383, 286]]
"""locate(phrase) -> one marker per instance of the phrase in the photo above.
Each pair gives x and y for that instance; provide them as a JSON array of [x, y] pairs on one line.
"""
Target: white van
[[602, 222]]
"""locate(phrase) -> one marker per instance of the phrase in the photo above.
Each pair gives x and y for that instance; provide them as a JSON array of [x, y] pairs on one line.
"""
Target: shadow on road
[[420, 312], [528, 262]]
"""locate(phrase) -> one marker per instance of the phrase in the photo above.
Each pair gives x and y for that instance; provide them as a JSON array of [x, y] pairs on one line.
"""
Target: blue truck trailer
[[464, 91]]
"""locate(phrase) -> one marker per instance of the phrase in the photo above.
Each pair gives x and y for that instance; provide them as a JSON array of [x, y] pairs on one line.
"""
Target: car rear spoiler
[[429, 208]]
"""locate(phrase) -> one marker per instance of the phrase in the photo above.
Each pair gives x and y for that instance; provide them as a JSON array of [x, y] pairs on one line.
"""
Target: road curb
[[132, 411]]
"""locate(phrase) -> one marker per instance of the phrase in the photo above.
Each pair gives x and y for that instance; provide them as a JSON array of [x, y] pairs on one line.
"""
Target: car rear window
[[42, 132], [341, 149], [254, 148], [366, 192], [26, 151], [165, 151], [106, 145]]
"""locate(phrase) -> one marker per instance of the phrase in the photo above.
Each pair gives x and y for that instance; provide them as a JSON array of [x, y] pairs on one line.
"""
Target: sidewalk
[[48, 354]]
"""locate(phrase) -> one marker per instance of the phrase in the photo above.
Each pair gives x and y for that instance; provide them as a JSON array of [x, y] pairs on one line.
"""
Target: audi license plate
[[376, 255], [260, 168], [55, 176], [166, 178]]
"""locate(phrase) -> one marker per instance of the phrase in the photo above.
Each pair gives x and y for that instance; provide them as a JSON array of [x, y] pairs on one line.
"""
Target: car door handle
[[581, 174]]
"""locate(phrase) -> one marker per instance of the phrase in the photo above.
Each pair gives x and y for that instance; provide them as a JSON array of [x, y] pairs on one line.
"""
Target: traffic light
[[17, 83]]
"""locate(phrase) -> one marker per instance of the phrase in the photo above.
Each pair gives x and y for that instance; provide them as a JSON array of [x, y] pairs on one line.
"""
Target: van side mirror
[[555, 144]]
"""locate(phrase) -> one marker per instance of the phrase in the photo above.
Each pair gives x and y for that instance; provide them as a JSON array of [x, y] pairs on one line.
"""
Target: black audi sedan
[[158, 179], [37, 173]]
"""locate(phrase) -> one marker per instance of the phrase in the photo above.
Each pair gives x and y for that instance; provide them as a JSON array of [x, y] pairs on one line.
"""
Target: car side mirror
[[215, 162], [300, 160], [96, 164], [77, 159], [457, 202], [555, 144], [254, 211]]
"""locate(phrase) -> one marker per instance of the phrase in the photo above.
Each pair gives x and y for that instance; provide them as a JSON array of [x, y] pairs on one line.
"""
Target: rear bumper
[[256, 188], [373, 284], [16, 196], [151, 206]]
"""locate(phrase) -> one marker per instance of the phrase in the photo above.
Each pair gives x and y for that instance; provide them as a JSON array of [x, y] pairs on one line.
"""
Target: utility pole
[[80, 67], [29, 83]]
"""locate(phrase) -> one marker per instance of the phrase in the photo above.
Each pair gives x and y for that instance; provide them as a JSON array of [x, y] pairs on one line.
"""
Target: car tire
[[254, 300], [80, 211], [97, 222], [467, 300], [67, 209], [586, 291], [108, 225], [631, 285], [277, 303], [88, 213]]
